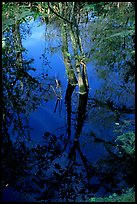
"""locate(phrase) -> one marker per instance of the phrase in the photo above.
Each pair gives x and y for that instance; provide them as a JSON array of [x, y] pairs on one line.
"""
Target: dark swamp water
[[60, 145]]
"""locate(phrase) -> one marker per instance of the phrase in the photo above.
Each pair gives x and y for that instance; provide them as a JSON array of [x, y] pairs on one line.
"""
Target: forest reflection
[[62, 171], [82, 157]]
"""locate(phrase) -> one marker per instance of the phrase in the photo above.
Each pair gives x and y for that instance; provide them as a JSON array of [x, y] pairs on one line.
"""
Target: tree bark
[[69, 68], [81, 84]]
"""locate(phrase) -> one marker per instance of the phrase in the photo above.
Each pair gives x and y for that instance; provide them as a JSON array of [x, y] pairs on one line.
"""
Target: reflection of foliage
[[19, 161], [65, 186], [105, 112], [124, 160], [114, 93], [22, 93], [124, 127], [16, 90], [113, 39], [41, 173], [128, 142], [47, 172], [128, 196], [14, 162]]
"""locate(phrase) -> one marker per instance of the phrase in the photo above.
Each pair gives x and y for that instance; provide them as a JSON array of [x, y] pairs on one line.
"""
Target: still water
[[72, 154]]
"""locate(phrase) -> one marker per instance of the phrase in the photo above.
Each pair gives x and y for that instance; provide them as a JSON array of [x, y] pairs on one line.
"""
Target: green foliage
[[13, 12], [36, 15], [127, 141], [98, 8], [112, 39], [128, 196], [123, 33]]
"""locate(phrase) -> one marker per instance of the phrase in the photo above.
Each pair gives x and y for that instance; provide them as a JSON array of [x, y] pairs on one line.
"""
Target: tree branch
[[58, 14]]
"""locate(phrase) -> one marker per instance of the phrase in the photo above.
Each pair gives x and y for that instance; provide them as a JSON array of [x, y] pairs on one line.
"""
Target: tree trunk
[[69, 11], [81, 84], [69, 69], [17, 44]]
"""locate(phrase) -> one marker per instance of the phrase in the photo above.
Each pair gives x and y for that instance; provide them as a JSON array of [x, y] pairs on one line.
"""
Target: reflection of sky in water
[[99, 121], [36, 45], [44, 118]]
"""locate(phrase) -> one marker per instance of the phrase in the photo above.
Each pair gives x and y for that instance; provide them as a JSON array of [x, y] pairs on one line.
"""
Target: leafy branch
[[58, 14]]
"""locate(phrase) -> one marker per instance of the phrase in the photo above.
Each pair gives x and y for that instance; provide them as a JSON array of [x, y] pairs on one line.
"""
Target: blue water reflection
[[95, 128], [100, 120]]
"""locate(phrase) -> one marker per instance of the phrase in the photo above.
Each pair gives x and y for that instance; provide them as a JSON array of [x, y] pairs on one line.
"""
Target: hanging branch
[[59, 15]]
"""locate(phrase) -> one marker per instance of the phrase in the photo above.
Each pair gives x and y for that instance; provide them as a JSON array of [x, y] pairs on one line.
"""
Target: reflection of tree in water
[[50, 173], [37, 171], [22, 93], [58, 170]]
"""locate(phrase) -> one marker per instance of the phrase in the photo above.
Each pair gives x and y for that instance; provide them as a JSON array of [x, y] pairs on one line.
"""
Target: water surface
[[60, 168]]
